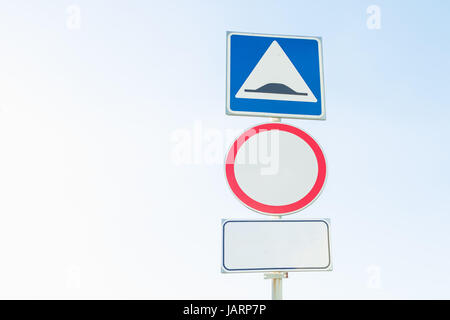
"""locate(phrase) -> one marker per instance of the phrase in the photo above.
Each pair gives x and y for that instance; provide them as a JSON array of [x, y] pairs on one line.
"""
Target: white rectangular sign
[[276, 245]]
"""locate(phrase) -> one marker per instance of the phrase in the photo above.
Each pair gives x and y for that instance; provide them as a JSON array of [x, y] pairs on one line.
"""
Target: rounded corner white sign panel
[[275, 76], [275, 169], [276, 245]]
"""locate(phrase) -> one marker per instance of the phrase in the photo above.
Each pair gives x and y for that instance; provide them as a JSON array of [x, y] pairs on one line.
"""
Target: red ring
[[264, 208]]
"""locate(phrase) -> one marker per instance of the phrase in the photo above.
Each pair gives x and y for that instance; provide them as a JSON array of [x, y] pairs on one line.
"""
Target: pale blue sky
[[92, 204]]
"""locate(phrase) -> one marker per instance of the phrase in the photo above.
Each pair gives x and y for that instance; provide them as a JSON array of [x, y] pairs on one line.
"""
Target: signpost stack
[[275, 169]]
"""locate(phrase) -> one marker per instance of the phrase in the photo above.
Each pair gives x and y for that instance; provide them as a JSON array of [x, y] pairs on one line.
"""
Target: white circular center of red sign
[[275, 169]]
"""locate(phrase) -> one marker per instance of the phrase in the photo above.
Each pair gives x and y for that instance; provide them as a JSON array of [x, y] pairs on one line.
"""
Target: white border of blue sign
[[224, 269], [274, 115]]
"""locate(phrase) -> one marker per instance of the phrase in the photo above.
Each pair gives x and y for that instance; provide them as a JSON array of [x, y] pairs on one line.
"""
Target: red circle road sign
[[275, 169]]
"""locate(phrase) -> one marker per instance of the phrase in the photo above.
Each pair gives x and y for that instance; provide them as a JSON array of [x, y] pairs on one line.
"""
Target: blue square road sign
[[274, 76]]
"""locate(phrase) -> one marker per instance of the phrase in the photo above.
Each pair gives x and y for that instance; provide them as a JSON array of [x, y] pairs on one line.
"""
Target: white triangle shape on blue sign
[[275, 78]]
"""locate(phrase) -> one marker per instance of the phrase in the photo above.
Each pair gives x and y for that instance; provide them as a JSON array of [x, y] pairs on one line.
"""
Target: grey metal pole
[[277, 289], [277, 283], [277, 278]]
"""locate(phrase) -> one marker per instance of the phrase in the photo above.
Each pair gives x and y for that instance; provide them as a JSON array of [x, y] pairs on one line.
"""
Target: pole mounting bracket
[[276, 275]]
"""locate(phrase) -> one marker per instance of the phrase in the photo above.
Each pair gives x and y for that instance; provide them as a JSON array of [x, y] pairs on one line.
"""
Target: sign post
[[275, 169], [277, 283]]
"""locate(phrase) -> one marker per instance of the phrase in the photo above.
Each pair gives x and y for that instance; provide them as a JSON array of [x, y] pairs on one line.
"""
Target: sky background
[[96, 202]]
